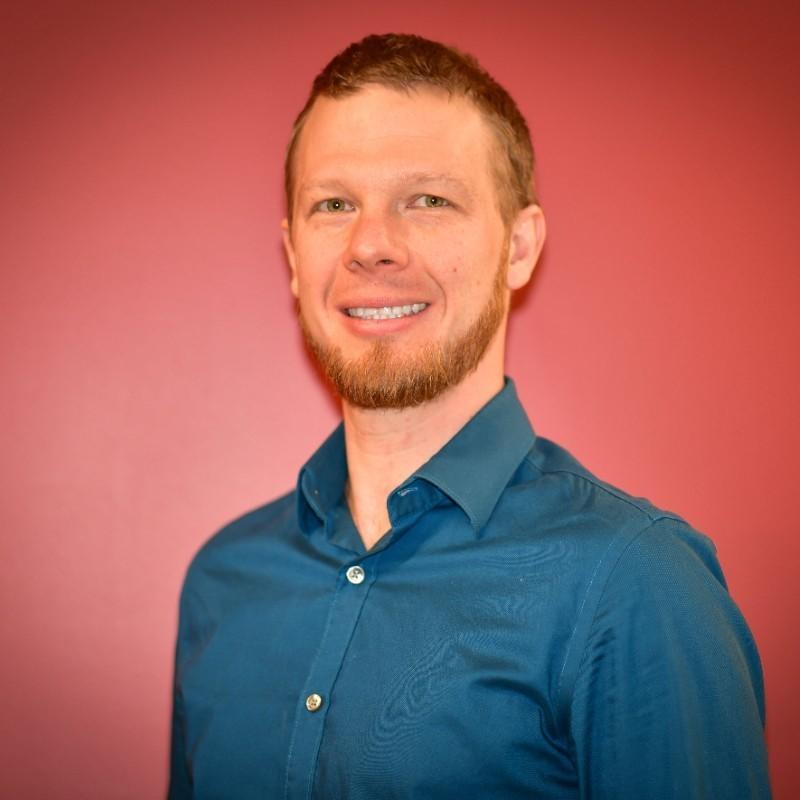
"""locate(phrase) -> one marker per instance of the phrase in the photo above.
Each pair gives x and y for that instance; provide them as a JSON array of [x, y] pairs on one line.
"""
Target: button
[[314, 702], [356, 574]]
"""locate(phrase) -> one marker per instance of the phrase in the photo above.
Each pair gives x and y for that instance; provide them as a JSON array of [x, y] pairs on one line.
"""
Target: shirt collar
[[476, 465], [472, 469], [320, 485]]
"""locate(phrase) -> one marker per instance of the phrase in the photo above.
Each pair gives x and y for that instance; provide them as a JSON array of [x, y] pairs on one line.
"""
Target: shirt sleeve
[[180, 785], [668, 700], [180, 779]]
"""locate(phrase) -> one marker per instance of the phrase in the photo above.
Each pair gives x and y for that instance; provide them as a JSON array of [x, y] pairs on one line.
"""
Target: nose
[[377, 241]]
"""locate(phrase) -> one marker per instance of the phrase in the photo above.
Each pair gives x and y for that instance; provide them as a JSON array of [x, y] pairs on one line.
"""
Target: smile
[[387, 312]]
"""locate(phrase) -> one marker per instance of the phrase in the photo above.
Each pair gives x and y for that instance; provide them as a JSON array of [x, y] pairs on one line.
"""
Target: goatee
[[385, 377]]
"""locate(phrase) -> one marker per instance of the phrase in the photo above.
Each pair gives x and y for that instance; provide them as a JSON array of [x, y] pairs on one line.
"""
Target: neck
[[385, 446]]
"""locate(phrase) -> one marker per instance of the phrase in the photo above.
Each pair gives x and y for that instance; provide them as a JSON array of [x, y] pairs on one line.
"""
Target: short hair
[[406, 62]]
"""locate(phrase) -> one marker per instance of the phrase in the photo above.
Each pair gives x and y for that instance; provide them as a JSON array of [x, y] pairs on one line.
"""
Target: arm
[[180, 778], [668, 700], [180, 785]]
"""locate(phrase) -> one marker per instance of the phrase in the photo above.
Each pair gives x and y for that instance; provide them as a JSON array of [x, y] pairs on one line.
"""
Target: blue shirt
[[524, 630]]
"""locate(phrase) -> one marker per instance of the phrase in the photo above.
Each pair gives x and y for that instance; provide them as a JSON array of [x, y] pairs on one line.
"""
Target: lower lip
[[382, 327]]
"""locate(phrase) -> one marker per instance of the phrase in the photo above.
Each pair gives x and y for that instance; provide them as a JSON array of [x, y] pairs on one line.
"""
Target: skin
[[367, 233]]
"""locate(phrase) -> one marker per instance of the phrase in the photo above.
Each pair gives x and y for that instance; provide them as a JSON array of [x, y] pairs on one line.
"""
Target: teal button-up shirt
[[524, 630]]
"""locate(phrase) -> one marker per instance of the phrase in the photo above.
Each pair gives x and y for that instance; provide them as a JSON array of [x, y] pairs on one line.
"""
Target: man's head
[[405, 62], [407, 229]]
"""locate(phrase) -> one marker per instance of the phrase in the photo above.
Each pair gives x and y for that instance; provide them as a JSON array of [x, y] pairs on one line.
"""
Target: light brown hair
[[406, 62]]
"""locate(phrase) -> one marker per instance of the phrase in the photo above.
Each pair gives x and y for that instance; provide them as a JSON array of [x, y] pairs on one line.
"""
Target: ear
[[527, 239], [290, 254]]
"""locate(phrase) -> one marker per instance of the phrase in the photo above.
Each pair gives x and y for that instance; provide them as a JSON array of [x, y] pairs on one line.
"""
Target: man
[[448, 605]]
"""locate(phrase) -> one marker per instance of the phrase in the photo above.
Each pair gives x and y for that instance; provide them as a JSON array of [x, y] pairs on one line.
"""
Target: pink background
[[154, 384]]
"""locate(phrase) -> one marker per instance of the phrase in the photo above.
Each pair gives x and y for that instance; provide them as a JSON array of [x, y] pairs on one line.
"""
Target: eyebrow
[[404, 178], [433, 177]]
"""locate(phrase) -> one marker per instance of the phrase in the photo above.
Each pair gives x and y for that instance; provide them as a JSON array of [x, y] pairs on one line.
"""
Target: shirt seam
[[566, 682], [609, 490]]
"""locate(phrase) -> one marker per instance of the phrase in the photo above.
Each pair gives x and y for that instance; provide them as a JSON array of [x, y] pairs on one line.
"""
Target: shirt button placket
[[348, 598]]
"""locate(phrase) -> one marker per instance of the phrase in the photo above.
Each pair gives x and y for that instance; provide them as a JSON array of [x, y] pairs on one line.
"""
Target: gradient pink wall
[[154, 384]]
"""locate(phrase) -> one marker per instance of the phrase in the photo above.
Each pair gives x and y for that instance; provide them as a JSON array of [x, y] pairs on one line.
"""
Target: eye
[[333, 205], [430, 201]]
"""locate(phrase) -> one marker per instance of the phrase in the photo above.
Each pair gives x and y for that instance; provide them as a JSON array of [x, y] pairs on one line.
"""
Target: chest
[[426, 679]]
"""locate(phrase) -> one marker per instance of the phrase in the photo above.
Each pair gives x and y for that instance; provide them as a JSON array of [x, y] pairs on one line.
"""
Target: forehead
[[380, 133]]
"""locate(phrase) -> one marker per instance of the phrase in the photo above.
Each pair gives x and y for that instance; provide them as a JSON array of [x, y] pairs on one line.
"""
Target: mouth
[[386, 312]]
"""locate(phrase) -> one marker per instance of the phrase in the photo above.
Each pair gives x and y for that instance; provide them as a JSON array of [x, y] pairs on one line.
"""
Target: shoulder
[[555, 466], [642, 574], [247, 538], [660, 660], [651, 588], [643, 546], [655, 542], [661, 663], [227, 566], [559, 497]]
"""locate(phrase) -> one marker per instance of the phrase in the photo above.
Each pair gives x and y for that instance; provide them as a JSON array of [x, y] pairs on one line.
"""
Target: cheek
[[468, 263], [314, 271]]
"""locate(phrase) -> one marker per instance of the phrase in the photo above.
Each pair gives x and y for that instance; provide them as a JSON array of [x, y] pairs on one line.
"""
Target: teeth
[[386, 312]]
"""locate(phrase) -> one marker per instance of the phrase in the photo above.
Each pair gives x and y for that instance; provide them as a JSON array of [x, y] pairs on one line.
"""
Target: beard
[[385, 377]]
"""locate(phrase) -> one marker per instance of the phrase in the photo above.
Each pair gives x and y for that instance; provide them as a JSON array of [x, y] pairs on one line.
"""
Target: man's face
[[397, 246]]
